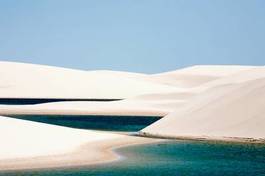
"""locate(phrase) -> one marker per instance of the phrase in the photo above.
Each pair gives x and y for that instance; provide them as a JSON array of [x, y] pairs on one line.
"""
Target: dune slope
[[228, 110], [157, 94], [21, 138], [19, 80], [198, 75]]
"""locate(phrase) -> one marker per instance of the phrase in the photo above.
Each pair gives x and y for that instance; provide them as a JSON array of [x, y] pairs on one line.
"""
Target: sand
[[20, 80], [22, 138], [145, 95], [200, 102], [146, 105], [198, 75], [86, 155], [233, 108], [31, 145]]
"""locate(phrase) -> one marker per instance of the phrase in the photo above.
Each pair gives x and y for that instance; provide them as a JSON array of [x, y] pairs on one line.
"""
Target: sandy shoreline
[[88, 154], [223, 139], [103, 152], [147, 113]]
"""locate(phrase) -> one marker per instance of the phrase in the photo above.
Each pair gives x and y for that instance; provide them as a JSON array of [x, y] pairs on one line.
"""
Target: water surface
[[179, 158], [29, 101], [95, 122]]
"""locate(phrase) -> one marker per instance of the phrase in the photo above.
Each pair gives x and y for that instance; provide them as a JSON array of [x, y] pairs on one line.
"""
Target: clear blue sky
[[133, 35]]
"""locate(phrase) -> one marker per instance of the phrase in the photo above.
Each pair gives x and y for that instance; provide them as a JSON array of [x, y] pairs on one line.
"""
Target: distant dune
[[19, 80], [197, 75], [157, 94]]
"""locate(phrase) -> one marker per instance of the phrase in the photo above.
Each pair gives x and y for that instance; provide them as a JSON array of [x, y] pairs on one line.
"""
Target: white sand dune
[[19, 80], [234, 108], [157, 94], [194, 76], [190, 89], [21, 138], [86, 108], [213, 102], [27, 145], [144, 105], [237, 77]]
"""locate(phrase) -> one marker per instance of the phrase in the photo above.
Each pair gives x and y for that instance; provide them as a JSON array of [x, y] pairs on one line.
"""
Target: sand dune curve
[[228, 110], [20, 80]]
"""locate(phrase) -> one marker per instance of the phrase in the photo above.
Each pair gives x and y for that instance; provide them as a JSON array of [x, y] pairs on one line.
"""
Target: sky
[[147, 36]]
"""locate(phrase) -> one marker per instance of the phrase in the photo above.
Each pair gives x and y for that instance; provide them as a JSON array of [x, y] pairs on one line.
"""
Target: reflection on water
[[179, 158]]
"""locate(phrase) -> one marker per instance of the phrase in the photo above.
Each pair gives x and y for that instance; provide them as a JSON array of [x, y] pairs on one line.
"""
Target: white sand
[[28, 145], [145, 105], [88, 154], [19, 80], [233, 107], [194, 76], [21, 138], [155, 95], [215, 102]]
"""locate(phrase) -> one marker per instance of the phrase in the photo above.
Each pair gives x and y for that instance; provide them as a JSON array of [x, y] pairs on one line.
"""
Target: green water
[[95, 122], [179, 158]]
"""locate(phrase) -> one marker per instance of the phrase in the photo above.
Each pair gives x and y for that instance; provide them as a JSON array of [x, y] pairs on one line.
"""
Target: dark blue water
[[27, 101], [108, 123], [182, 158]]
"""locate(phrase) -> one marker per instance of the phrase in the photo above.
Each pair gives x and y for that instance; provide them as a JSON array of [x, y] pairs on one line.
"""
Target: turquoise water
[[96, 122], [179, 158]]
